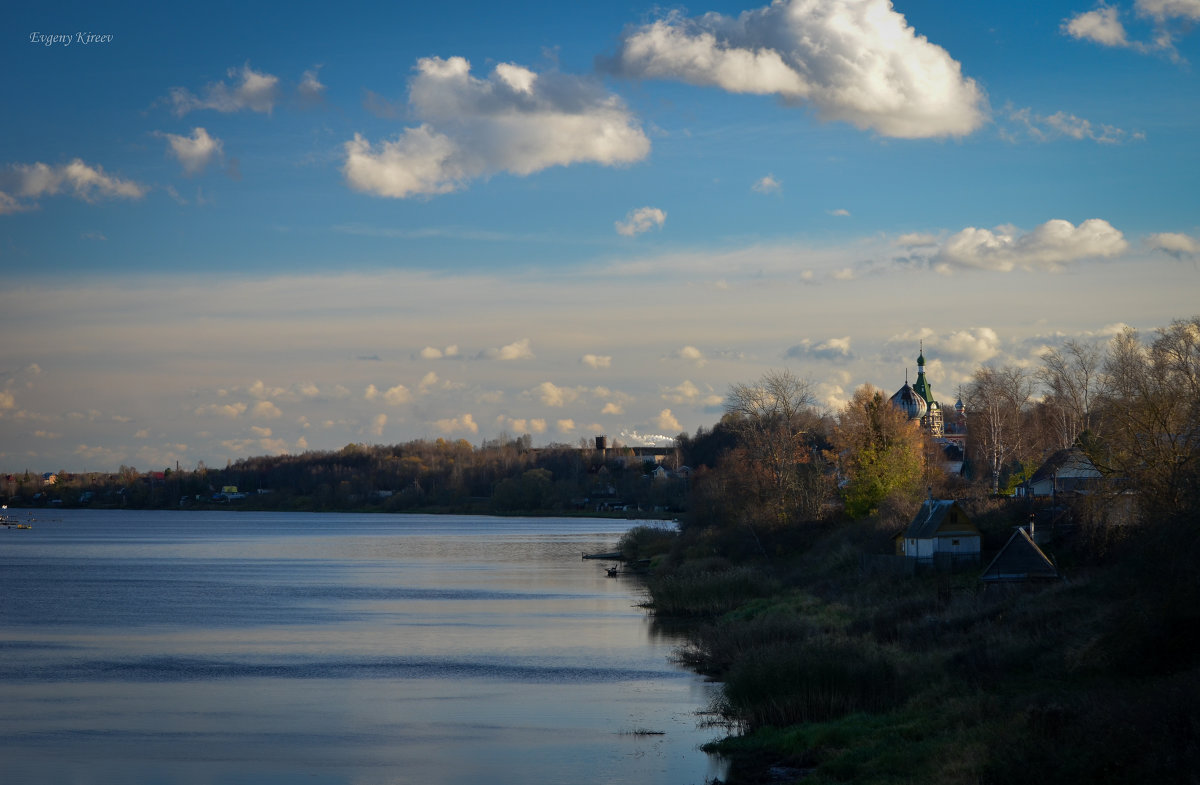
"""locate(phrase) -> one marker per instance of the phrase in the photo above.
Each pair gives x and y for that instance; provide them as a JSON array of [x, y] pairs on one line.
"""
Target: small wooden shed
[[940, 531]]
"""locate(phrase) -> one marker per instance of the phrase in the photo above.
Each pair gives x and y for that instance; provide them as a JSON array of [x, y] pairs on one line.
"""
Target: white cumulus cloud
[[643, 219], [514, 120], [857, 61], [1050, 246]]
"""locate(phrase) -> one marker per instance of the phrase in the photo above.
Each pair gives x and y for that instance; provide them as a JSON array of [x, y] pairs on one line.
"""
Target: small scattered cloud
[[464, 423], [378, 423], [1063, 125], [521, 425], [1101, 25], [1181, 246], [860, 63], [517, 350], [767, 185], [250, 89], [564, 426], [550, 394], [643, 219], [266, 409], [596, 360], [433, 353], [613, 408], [688, 392], [514, 120], [833, 349], [690, 354], [310, 90], [397, 395], [1170, 19], [230, 410], [21, 183], [840, 212], [194, 152]]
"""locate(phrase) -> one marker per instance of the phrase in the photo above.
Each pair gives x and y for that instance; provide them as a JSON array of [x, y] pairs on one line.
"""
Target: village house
[[941, 533], [1020, 561], [1068, 471]]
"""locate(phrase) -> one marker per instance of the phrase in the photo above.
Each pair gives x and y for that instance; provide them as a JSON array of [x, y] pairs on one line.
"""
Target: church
[[917, 402]]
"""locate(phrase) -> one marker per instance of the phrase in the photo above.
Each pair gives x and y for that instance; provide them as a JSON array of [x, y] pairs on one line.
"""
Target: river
[[212, 647]]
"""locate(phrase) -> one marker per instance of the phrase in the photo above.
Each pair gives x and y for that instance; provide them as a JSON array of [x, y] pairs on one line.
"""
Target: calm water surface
[[176, 647]]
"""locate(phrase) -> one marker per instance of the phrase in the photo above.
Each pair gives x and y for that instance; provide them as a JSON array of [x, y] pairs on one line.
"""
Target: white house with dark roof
[[940, 530]]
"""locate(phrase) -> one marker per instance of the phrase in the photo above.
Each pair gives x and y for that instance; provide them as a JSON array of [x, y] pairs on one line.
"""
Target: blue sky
[[281, 228]]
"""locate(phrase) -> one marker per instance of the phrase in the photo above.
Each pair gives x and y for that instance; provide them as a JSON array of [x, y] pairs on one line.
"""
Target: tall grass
[[821, 679], [708, 591]]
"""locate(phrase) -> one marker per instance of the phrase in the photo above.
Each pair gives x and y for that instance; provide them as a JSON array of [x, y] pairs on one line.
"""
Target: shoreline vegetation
[[831, 674]]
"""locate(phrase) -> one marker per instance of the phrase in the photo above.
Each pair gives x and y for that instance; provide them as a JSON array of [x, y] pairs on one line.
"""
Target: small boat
[[613, 571]]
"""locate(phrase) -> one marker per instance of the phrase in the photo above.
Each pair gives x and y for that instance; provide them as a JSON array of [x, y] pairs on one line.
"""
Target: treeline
[[503, 476]]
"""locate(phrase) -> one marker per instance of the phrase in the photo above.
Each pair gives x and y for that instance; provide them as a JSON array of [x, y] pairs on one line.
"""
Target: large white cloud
[[1048, 247], [514, 120], [83, 181], [856, 61]]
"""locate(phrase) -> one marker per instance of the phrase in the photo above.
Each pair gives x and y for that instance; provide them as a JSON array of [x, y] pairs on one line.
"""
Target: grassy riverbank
[[835, 675]]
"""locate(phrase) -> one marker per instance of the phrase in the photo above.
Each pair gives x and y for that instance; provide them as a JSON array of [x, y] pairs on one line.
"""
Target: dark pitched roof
[[931, 517], [1072, 460], [1020, 560]]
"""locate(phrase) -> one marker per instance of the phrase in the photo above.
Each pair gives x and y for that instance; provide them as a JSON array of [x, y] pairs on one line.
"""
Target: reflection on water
[[273, 648]]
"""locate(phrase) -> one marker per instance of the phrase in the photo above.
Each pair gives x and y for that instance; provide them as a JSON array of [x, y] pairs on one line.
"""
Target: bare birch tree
[[997, 399], [1071, 377]]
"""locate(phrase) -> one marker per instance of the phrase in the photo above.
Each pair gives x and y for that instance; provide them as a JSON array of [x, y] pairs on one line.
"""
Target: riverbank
[[833, 675]]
